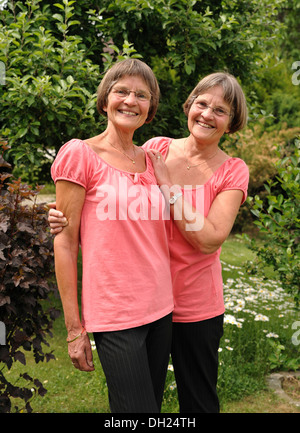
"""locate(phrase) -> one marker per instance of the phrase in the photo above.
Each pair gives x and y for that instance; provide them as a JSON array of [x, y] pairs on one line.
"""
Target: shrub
[[26, 264], [278, 218], [49, 94], [258, 148], [285, 108]]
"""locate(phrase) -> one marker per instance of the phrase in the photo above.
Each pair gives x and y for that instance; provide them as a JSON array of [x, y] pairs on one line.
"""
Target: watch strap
[[175, 197]]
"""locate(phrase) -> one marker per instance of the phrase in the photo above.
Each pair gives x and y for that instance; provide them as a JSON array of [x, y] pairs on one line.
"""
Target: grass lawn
[[257, 312]]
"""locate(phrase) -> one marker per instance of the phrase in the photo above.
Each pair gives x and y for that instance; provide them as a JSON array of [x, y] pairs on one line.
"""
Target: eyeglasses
[[218, 111], [123, 93]]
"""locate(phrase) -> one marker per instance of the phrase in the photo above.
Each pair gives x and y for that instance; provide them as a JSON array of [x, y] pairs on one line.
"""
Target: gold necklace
[[121, 151], [200, 163]]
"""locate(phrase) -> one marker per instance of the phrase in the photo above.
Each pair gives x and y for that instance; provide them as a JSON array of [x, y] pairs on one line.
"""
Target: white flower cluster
[[253, 299]]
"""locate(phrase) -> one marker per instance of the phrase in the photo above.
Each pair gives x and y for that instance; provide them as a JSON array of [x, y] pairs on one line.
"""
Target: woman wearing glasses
[[106, 187], [204, 188], [208, 187]]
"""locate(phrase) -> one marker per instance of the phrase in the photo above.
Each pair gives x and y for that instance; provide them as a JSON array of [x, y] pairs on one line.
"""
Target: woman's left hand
[[160, 169], [56, 219]]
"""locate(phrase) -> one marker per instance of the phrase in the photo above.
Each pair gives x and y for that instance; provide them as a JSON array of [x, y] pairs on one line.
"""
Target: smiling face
[[205, 125], [128, 112]]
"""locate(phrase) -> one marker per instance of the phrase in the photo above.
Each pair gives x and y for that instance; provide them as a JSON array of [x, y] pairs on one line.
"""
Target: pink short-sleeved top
[[197, 277], [126, 279]]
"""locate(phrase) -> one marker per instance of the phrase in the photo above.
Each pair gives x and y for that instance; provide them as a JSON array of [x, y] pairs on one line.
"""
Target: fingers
[[155, 155], [56, 230], [52, 205], [89, 357], [56, 220], [160, 169], [55, 213], [80, 352], [58, 225]]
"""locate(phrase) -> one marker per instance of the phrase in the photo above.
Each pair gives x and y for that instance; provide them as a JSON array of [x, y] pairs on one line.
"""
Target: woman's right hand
[[57, 220], [80, 352]]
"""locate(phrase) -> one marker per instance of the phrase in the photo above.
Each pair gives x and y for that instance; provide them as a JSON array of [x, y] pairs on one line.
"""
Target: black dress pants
[[135, 363], [195, 360]]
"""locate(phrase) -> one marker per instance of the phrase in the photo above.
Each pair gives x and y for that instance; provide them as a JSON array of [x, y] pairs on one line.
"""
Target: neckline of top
[[132, 174], [208, 180]]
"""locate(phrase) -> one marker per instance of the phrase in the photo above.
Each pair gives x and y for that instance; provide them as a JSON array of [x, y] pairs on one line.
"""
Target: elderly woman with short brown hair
[[105, 186], [206, 188]]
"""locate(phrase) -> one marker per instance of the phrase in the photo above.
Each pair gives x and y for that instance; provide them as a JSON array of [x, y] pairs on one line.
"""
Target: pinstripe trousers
[[135, 364]]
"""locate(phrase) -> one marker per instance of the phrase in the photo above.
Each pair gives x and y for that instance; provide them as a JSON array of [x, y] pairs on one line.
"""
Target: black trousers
[[195, 360], [135, 363]]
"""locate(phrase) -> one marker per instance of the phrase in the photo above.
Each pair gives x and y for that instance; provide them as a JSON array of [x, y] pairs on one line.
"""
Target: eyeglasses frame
[[213, 109], [127, 93]]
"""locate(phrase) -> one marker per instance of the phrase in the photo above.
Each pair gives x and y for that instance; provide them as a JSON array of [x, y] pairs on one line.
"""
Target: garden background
[[52, 58]]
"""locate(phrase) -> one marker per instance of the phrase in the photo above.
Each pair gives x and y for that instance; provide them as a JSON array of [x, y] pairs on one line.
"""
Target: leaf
[[19, 356], [58, 5], [59, 17], [73, 22], [16, 279], [189, 68], [22, 132], [4, 226], [115, 48], [25, 227], [4, 300]]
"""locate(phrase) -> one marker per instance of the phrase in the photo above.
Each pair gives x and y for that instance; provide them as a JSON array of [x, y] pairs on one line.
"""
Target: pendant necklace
[[121, 151], [200, 163]]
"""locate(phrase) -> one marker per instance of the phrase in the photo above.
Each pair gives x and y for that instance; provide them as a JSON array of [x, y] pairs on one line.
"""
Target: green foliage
[[184, 40], [258, 326], [279, 359], [278, 218], [196, 37], [285, 109], [55, 52], [290, 15], [26, 264], [276, 94], [116, 54], [50, 91]]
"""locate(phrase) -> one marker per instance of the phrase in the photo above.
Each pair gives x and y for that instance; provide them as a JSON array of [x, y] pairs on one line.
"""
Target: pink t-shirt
[[197, 277], [126, 278]]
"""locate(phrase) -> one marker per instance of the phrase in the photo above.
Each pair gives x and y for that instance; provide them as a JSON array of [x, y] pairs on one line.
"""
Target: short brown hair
[[130, 67], [232, 93]]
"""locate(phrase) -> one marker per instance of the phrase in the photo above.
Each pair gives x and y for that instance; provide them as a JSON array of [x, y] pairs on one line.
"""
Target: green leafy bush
[[278, 218], [54, 56], [26, 265], [49, 95], [285, 109]]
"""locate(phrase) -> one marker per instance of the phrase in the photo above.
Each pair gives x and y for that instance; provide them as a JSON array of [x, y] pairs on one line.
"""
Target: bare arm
[[205, 233], [70, 199]]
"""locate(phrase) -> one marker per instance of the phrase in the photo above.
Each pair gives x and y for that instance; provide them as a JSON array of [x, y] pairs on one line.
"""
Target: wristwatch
[[174, 197]]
